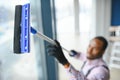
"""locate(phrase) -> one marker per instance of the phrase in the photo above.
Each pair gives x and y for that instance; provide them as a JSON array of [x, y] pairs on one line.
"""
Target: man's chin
[[90, 58]]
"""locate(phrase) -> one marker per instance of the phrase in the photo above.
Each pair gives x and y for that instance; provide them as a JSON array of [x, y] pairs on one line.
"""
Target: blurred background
[[72, 22]]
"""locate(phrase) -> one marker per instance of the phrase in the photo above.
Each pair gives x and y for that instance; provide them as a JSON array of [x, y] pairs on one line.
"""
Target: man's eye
[[96, 48]]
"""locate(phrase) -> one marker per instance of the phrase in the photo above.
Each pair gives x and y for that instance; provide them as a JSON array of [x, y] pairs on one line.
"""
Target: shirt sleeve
[[80, 56], [96, 74], [74, 74]]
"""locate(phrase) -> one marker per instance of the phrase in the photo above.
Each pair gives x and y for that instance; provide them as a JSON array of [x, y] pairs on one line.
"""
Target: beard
[[91, 57]]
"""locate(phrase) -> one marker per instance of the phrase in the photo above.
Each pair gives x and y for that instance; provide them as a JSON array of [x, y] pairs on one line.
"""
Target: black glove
[[73, 53], [57, 52]]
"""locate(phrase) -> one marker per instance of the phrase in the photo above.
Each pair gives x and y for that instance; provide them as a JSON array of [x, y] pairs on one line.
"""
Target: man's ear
[[103, 52]]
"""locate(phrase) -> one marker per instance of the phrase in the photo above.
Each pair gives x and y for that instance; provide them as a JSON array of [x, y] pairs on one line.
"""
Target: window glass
[[16, 66], [66, 11]]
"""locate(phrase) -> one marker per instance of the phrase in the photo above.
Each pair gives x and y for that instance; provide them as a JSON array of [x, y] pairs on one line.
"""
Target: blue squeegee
[[25, 29], [22, 29]]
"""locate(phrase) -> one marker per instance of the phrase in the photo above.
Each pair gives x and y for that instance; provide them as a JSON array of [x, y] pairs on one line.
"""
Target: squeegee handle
[[46, 38], [49, 40]]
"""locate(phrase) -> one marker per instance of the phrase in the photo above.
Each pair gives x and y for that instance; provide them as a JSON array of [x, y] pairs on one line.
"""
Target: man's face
[[95, 49]]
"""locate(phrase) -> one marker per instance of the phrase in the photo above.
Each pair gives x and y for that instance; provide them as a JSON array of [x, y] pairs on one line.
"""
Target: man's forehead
[[96, 42]]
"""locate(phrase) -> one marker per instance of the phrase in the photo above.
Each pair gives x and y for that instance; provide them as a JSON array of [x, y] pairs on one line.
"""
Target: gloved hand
[[73, 53], [57, 52]]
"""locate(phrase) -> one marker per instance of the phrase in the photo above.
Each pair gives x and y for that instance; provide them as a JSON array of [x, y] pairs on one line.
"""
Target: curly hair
[[104, 40]]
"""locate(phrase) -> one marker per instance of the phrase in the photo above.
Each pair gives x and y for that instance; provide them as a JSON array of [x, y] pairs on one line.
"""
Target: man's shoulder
[[101, 69]]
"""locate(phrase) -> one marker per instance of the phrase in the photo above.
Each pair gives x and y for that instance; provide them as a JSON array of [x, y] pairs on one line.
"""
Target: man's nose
[[90, 50]]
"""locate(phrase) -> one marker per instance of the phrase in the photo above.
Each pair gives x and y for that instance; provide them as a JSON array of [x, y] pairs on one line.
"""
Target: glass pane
[[16, 66], [66, 11], [36, 22], [65, 28]]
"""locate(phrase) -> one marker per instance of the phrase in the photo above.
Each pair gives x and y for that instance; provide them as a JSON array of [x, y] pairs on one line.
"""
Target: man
[[94, 67]]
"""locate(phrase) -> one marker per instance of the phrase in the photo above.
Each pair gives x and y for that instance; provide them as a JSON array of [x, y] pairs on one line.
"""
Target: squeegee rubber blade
[[17, 29]]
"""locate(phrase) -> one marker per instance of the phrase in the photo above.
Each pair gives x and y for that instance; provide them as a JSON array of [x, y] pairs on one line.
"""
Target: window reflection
[[14, 66], [65, 14]]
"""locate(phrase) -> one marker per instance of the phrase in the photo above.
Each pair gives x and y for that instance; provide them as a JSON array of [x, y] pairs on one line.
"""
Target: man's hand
[[57, 52]]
